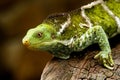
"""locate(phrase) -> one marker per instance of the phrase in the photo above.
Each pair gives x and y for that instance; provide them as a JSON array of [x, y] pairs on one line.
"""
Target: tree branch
[[84, 67]]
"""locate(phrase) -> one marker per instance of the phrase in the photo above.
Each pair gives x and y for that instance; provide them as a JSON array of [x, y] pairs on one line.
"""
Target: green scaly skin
[[51, 36]]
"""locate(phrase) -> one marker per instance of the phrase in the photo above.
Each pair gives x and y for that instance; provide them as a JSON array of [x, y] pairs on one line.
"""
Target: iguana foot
[[105, 59]]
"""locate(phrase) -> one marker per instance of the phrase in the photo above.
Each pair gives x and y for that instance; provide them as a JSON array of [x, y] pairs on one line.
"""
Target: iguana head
[[41, 37]]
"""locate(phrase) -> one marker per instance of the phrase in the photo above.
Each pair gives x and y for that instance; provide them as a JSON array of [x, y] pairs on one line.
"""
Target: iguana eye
[[39, 34]]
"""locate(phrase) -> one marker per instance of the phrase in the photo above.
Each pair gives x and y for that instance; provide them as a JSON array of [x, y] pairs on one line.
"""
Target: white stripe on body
[[89, 24], [65, 25], [116, 18]]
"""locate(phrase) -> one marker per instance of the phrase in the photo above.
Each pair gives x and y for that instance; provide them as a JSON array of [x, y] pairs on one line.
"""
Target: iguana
[[63, 33]]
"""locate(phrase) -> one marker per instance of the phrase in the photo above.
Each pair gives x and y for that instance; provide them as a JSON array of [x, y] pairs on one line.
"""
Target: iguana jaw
[[46, 45]]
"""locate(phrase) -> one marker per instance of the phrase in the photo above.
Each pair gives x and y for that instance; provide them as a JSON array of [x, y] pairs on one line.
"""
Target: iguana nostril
[[26, 43]]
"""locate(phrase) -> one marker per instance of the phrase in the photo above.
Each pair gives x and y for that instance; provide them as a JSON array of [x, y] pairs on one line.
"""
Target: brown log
[[84, 67]]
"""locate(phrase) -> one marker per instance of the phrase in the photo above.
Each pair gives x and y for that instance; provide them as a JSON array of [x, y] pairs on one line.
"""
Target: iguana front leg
[[103, 56], [96, 35]]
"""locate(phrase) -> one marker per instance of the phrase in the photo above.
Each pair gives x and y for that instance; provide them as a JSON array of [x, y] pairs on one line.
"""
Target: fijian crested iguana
[[64, 33]]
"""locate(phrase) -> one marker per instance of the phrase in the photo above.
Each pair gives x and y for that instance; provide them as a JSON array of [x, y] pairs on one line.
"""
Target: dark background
[[16, 17]]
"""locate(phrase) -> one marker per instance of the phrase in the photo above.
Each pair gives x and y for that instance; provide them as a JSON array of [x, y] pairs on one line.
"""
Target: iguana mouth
[[45, 43]]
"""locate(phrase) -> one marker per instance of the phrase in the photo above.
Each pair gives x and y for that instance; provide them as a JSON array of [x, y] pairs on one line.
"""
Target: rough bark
[[84, 67]]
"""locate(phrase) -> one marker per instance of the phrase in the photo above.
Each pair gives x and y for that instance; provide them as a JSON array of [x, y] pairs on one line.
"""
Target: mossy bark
[[84, 67]]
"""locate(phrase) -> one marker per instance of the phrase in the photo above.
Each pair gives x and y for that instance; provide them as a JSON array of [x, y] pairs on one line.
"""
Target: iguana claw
[[105, 59]]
